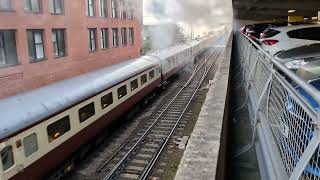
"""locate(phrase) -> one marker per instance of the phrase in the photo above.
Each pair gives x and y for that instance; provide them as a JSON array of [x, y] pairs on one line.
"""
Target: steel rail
[[141, 139], [154, 160]]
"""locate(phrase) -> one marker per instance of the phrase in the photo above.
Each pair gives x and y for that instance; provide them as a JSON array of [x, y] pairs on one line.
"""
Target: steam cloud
[[204, 15]]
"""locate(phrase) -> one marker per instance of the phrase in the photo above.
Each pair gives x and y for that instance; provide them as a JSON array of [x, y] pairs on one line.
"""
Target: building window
[[35, 45], [32, 6], [103, 8], [151, 74], [114, 10], [123, 36], [104, 38], [122, 91], [115, 39], [122, 9], [144, 79], [86, 112], [90, 7], [130, 9], [106, 100], [8, 50], [92, 39], [58, 128], [5, 5], [7, 158], [131, 36], [30, 144], [134, 84], [56, 7], [58, 41]]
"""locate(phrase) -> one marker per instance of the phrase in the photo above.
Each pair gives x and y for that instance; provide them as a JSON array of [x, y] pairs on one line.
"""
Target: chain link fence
[[287, 120]]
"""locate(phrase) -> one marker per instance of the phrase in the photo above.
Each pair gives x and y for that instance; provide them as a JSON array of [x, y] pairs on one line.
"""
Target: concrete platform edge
[[204, 157]]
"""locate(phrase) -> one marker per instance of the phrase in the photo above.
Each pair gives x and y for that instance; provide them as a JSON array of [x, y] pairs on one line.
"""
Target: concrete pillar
[[319, 16]]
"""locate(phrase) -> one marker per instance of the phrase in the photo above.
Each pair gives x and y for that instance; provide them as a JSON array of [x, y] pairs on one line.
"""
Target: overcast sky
[[203, 14]]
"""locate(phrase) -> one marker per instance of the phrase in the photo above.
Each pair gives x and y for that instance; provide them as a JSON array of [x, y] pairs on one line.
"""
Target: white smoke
[[204, 15], [197, 16]]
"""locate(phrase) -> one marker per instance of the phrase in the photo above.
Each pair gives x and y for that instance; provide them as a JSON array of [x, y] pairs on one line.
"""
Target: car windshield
[[311, 33], [304, 52], [269, 32]]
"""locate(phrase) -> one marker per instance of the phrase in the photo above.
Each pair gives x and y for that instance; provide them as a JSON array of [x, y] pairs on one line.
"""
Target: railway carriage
[[42, 128]]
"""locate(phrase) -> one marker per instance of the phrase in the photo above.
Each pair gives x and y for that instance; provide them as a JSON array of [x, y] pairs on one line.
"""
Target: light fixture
[[291, 11], [305, 18], [314, 18]]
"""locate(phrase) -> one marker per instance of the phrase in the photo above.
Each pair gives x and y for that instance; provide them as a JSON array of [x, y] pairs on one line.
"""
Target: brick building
[[44, 41]]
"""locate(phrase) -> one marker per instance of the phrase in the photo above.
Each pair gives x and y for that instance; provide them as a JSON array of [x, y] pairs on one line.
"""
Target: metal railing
[[284, 118]]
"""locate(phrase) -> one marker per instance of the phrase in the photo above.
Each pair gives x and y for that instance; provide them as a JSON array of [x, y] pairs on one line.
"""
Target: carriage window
[[143, 79], [106, 100], [30, 144], [7, 157], [86, 112], [134, 84], [122, 91], [58, 128], [151, 74]]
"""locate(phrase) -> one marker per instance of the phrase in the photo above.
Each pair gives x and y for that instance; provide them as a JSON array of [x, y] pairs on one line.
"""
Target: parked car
[[254, 30], [296, 57], [310, 71], [284, 38], [296, 126]]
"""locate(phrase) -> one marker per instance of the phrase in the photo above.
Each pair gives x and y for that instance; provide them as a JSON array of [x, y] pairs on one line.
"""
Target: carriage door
[[2, 52]]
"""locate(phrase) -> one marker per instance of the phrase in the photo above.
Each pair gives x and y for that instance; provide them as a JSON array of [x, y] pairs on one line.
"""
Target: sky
[[204, 15]]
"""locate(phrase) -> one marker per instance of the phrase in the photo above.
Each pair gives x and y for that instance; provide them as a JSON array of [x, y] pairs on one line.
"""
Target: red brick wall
[[27, 76]]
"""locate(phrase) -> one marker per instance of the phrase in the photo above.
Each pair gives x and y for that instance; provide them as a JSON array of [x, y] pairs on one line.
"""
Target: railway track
[[136, 158]]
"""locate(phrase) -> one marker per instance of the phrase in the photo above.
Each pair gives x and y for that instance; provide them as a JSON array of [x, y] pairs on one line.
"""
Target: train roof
[[23, 110], [168, 52]]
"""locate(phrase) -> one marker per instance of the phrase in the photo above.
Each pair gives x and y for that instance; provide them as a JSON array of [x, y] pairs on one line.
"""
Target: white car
[[277, 39]]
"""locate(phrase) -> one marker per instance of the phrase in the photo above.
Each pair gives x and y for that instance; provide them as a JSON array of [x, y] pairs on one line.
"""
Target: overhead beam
[[301, 5]]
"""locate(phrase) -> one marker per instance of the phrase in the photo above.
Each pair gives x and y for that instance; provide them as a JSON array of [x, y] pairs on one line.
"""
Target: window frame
[[122, 7], [34, 45], [131, 36], [109, 94], [6, 62], [115, 37], [57, 43], [152, 72], [54, 7], [134, 84], [91, 6], [9, 8], [120, 95], [29, 8], [90, 107], [114, 9], [144, 76], [124, 39], [103, 6], [104, 38], [92, 40], [4, 169], [24, 144], [64, 118], [130, 10]]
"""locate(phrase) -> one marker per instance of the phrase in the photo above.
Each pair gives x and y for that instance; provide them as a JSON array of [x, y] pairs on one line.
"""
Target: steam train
[[41, 129]]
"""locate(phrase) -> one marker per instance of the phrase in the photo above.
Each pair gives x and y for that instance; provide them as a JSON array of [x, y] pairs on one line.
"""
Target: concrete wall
[[26, 75]]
